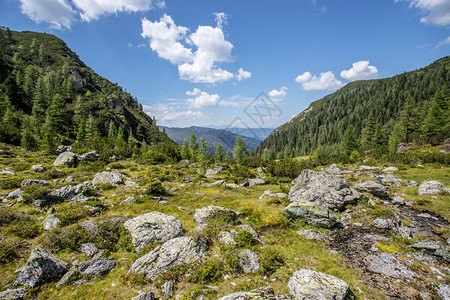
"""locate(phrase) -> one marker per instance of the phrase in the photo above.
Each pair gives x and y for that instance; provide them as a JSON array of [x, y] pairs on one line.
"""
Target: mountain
[[45, 87], [211, 135], [325, 121]]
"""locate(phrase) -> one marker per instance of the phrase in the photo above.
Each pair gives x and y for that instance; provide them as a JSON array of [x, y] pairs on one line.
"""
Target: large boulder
[[387, 265], [70, 191], [113, 178], [249, 261], [323, 188], [154, 227], [66, 159], [90, 156], [313, 213], [309, 284], [431, 187], [373, 188], [13, 294], [175, 252], [41, 267], [39, 182], [261, 293], [96, 267], [207, 213]]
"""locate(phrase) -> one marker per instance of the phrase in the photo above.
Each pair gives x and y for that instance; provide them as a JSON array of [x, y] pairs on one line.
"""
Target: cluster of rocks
[[69, 158]]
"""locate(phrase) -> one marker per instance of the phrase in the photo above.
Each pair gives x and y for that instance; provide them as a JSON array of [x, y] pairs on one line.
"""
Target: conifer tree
[[81, 130], [228, 156], [397, 137], [185, 153], [203, 156], [112, 130], [368, 131], [240, 150], [436, 123], [193, 146], [219, 155], [28, 140], [91, 127], [349, 140], [408, 119], [55, 121]]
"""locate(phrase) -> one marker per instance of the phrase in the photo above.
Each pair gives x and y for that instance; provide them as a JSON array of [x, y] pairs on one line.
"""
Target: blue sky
[[204, 62]]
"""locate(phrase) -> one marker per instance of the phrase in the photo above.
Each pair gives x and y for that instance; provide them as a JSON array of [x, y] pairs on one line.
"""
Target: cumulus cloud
[[437, 11], [59, 13], [444, 42], [64, 13], [278, 94], [360, 70], [168, 115], [202, 99], [221, 19], [326, 81], [173, 43]]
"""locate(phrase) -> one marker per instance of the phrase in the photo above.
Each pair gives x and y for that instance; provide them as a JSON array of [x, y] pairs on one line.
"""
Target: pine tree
[[408, 119], [435, 125], [28, 141], [219, 155], [91, 128], [228, 156], [349, 140], [55, 121], [319, 156], [368, 131], [397, 137], [377, 141], [203, 156], [81, 130], [185, 153], [112, 130], [193, 146], [240, 149]]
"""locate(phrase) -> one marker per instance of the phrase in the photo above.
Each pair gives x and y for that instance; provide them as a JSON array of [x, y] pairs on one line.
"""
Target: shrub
[[53, 174], [287, 167], [245, 240], [10, 183], [270, 259], [155, 188], [8, 216], [8, 251], [209, 272], [69, 214], [113, 236], [66, 238], [25, 229]]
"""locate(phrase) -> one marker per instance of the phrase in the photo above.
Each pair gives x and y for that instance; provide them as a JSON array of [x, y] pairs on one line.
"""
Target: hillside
[[325, 121], [212, 136], [46, 88]]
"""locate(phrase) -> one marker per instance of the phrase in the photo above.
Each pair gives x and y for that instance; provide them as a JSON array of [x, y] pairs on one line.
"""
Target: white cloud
[[444, 42], [277, 95], [326, 81], [169, 115], [164, 39], [173, 43], [93, 9], [59, 13], [161, 4], [360, 70], [243, 74], [438, 11], [202, 99], [221, 19]]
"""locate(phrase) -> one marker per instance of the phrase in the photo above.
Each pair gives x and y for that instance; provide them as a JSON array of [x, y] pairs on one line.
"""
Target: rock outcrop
[[323, 188], [373, 188], [313, 213], [154, 227], [13, 294], [262, 293], [431, 187], [309, 284], [67, 158], [39, 182], [41, 267], [387, 265], [207, 213], [97, 267], [175, 252], [249, 261], [113, 178]]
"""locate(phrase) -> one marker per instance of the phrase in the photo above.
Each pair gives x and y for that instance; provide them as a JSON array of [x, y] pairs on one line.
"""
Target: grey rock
[[185, 161], [204, 214], [249, 261], [113, 178], [51, 222], [262, 293], [62, 148], [386, 223], [131, 183], [386, 264], [90, 156], [333, 169], [15, 194], [144, 296], [7, 171], [367, 168], [311, 234], [390, 169], [431, 187], [217, 182], [398, 200], [115, 158], [313, 213], [130, 200], [67, 278], [403, 147], [96, 267], [270, 196], [66, 159], [427, 245], [38, 168], [373, 188], [70, 191], [177, 251], [255, 181], [154, 227], [232, 185], [188, 179], [405, 232], [89, 249], [443, 291], [323, 188], [13, 294], [81, 282], [392, 180], [167, 289], [211, 173], [41, 267], [226, 238], [309, 284], [445, 149]]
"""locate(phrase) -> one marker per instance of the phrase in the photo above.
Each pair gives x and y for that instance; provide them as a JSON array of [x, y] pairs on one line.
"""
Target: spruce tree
[[55, 121], [409, 119], [434, 127], [239, 150], [91, 128], [228, 156], [203, 156], [112, 130], [28, 140], [368, 132], [193, 146], [349, 140], [397, 137], [219, 155], [185, 153], [81, 130]]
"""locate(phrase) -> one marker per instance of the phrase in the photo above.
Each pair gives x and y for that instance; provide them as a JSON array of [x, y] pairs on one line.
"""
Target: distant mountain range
[[226, 136]]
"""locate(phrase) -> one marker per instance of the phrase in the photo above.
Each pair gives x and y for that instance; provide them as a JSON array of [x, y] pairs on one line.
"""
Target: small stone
[[51, 222], [249, 261], [311, 234], [38, 168], [96, 267], [430, 187], [167, 289], [130, 200], [390, 169]]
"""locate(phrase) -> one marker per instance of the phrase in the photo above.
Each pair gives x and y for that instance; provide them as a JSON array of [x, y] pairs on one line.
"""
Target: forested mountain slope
[[47, 91], [379, 101]]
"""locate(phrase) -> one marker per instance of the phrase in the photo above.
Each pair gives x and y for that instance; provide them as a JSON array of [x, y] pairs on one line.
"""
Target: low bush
[[70, 214], [8, 251], [245, 240], [70, 237], [10, 182], [112, 236], [155, 188], [26, 228], [210, 271], [270, 259], [8, 216]]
